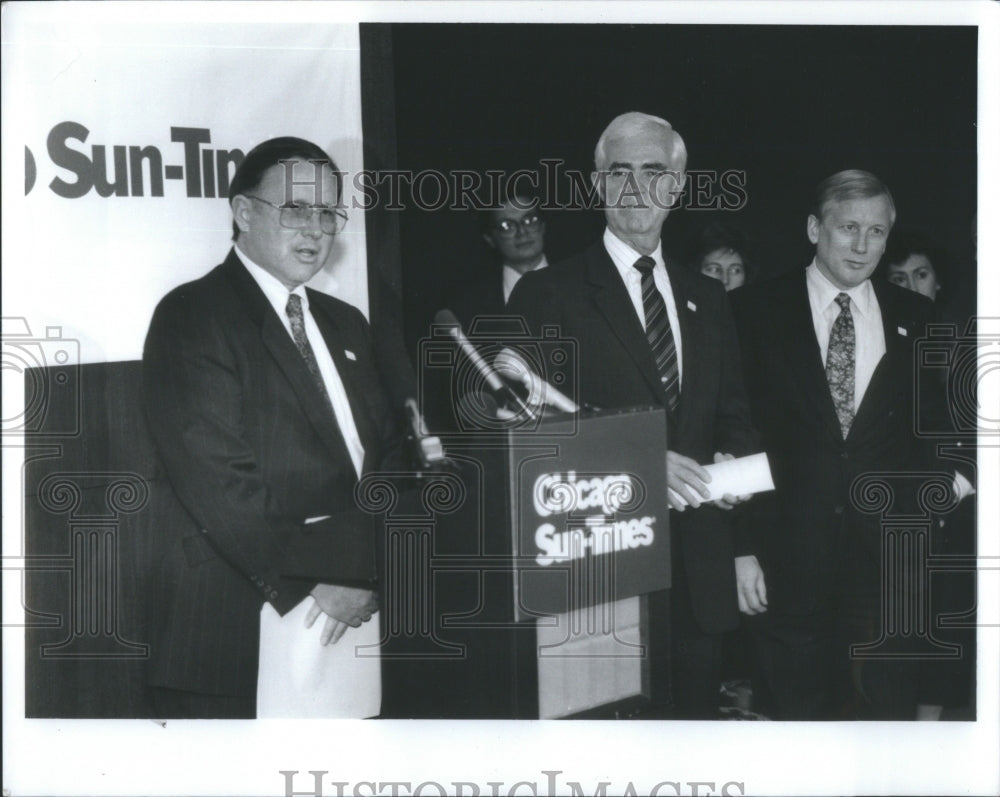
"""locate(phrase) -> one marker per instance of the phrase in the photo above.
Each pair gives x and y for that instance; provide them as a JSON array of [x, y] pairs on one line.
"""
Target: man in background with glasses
[[266, 407], [515, 230]]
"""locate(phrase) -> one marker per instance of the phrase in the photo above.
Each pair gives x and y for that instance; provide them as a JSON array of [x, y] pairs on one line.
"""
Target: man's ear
[[241, 212], [812, 229]]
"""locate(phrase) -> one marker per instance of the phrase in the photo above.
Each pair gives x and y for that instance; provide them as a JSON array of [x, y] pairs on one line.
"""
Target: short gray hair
[[634, 121]]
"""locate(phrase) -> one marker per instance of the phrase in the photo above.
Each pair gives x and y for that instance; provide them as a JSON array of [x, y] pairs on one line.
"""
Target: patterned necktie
[[840, 363], [661, 339], [294, 311]]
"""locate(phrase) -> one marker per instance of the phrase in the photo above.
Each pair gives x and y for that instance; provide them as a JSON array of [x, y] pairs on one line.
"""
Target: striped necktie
[[661, 339], [294, 311]]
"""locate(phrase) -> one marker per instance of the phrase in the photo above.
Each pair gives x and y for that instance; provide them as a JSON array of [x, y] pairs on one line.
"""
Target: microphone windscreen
[[446, 316]]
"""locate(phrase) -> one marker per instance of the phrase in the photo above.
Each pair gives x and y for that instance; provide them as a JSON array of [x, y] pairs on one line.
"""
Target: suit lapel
[[613, 302], [891, 372], [691, 331], [338, 345], [280, 346], [803, 352]]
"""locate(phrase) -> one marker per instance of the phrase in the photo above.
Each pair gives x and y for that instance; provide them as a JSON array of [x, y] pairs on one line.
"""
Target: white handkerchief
[[692, 306], [350, 354], [901, 331], [741, 476]]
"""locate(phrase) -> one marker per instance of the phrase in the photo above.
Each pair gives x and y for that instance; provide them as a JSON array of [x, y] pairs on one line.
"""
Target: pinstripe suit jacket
[[249, 450]]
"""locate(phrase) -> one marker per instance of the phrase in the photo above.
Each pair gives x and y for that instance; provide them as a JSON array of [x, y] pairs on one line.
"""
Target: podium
[[531, 575]]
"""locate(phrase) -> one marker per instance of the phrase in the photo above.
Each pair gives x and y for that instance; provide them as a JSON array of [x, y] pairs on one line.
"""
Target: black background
[[788, 105]]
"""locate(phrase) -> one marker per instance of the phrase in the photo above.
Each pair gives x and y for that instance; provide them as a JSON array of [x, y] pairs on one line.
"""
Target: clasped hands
[[686, 481], [343, 607]]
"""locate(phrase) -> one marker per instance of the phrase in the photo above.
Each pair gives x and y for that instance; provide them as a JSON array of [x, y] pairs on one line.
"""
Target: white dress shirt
[[511, 275], [869, 334], [297, 677], [624, 257], [277, 294]]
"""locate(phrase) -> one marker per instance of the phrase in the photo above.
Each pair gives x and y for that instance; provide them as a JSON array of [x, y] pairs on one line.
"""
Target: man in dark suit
[[829, 357], [266, 402], [516, 232], [651, 333]]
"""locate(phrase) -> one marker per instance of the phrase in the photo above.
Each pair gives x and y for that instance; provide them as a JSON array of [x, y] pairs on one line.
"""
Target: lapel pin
[[692, 306], [901, 331], [350, 354]]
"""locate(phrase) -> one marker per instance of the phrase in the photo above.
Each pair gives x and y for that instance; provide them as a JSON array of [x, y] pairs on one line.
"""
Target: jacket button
[[843, 455], [273, 595]]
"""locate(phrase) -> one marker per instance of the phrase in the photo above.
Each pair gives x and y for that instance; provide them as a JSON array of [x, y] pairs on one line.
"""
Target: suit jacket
[[250, 449], [586, 298], [481, 298], [810, 535]]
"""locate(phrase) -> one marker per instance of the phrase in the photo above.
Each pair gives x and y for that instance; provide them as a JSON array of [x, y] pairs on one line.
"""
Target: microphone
[[429, 449], [493, 381], [512, 365]]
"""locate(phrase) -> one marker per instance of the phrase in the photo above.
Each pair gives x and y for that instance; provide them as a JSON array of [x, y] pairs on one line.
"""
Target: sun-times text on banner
[[119, 141]]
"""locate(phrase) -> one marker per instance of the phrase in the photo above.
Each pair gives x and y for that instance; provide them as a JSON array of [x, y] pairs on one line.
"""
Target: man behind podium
[[649, 332], [266, 406]]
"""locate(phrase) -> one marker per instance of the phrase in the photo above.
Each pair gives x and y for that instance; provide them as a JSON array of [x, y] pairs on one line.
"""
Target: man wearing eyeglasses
[[516, 232], [651, 333], [266, 407]]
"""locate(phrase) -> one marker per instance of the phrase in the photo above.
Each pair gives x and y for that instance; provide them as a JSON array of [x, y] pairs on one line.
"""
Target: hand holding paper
[[686, 482], [730, 477]]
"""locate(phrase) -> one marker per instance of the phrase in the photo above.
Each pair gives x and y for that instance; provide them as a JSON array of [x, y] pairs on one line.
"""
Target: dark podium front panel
[[589, 512]]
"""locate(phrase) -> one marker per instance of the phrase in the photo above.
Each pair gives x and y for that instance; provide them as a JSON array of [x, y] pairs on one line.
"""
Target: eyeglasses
[[298, 216], [509, 227]]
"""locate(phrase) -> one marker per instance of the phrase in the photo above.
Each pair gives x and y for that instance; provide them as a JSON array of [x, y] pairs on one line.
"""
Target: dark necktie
[[840, 363], [294, 311], [661, 339]]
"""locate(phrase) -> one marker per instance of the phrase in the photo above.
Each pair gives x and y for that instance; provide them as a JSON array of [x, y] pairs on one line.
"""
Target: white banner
[[119, 139]]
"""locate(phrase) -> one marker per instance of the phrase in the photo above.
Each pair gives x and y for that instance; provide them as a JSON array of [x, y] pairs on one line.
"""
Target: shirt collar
[[826, 292], [541, 264], [273, 288], [624, 256]]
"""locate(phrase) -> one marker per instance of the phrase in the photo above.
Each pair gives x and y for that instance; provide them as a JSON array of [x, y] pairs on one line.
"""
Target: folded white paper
[[741, 476], [300, 678]]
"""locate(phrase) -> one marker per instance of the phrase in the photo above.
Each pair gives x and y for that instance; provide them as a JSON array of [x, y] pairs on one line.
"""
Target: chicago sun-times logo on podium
[[590, 506], [589, 512]]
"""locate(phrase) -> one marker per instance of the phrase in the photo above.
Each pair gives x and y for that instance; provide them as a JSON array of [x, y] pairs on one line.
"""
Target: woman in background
[[912, 262], [721, 253]]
